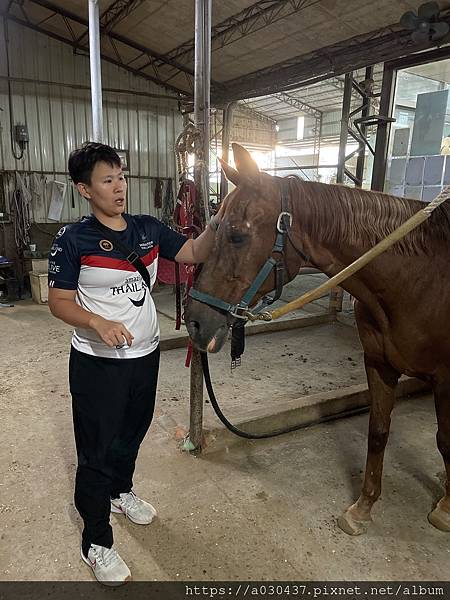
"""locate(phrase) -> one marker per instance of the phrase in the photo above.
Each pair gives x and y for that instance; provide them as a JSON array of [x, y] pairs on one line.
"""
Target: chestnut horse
[[402, 305]]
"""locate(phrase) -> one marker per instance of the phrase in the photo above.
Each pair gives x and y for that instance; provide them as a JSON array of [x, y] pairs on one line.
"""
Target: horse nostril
[[194, 326]]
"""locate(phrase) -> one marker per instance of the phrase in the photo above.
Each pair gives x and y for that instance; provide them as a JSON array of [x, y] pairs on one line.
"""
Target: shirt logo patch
[[106, 245], [55, 249], [146, 245], [139, 302]]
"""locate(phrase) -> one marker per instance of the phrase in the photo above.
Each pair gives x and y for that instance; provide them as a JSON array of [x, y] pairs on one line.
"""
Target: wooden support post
[[335, 300]]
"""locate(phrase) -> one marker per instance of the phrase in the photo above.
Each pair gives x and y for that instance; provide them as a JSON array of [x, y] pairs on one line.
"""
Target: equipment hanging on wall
[[185, 220], [158, 193]]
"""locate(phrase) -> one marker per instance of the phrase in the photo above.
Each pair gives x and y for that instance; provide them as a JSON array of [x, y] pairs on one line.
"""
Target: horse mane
[[362, 218]]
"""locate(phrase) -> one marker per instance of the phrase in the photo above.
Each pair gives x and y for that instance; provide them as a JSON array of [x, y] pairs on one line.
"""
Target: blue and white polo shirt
[[107, 284]]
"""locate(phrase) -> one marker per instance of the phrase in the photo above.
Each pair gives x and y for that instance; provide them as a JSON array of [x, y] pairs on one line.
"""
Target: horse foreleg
[[382, 380], [440, 516]]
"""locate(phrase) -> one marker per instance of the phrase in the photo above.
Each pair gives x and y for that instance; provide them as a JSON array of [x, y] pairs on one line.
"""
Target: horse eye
[[237, 239]]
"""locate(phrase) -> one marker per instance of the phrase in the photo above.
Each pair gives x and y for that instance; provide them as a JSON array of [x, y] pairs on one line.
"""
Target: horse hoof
[[440, 518], [352, 526]]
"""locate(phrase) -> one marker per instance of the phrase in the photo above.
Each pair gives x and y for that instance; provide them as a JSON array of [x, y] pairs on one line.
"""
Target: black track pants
[[112, 402]]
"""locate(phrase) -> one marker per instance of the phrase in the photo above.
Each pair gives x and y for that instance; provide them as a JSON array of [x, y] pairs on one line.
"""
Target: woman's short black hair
[[83, 160]]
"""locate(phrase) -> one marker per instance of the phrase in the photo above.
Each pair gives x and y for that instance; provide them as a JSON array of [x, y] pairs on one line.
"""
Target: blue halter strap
[[241, 309]]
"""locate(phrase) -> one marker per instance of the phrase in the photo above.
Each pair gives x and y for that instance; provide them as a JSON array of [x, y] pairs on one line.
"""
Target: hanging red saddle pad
[[166, 271]]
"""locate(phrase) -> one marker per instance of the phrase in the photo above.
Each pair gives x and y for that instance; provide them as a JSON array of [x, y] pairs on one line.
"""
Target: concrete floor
[[242, 510]]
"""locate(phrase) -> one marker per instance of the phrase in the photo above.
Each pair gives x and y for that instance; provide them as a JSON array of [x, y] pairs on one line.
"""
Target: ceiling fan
[[425, 25]]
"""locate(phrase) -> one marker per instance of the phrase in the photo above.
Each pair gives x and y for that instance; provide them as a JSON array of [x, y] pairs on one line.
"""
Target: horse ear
[[230, 173], [244, 162]]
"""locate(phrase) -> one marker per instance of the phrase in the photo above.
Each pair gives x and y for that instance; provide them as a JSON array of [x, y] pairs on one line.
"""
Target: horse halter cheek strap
[[241, 309]]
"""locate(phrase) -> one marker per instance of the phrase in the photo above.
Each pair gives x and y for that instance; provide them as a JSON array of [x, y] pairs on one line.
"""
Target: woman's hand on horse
[[218, 216], [111, 332], [219, 213]]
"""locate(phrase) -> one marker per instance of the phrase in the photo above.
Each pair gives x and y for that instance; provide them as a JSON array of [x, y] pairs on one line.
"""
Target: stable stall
[[306, 98]]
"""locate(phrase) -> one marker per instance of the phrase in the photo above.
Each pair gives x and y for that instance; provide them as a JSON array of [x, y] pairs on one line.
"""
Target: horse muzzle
[[207, 326]]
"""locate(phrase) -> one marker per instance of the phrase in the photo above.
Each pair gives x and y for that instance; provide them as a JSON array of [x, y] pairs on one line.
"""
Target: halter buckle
[[281, 224], [234, 312]]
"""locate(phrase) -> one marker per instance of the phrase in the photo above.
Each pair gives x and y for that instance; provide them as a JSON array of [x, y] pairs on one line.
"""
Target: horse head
[[244, 241]]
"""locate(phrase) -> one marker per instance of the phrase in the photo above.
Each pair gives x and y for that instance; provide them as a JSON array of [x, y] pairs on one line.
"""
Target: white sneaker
[[106, 564], [137, 510]]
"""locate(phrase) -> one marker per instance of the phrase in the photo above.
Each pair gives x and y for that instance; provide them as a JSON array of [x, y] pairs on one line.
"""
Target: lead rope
[[276, 432]]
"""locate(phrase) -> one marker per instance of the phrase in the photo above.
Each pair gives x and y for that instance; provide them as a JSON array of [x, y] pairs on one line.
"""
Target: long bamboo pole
[[362, 261]]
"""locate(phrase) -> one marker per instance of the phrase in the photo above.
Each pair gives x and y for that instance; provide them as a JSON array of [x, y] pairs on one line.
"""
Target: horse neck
[[306, 204]]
